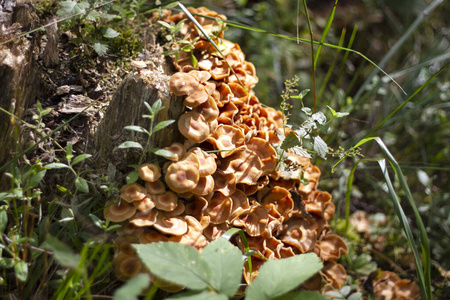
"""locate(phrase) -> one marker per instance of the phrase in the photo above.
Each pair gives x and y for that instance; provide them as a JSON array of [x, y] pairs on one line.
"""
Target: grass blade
[[325, 32]]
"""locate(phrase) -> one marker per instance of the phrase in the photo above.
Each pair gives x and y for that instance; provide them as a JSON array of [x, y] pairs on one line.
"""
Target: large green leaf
[[225, 262], [277, 277], [203, 295], [176, 263], [305, 295], [132, 288], [63, 254]]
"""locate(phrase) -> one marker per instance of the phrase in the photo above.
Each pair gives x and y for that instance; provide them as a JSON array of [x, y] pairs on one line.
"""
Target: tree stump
[[18, 77], [127, 107]]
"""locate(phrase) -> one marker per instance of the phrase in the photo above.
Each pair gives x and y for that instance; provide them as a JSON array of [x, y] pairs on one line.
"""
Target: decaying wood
[[127, 107], [18, 77]]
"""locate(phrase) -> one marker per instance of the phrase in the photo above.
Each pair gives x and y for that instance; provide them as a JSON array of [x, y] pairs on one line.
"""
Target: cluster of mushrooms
[[226, 173]]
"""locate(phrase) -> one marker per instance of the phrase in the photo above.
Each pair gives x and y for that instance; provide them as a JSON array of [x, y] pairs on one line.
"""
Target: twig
[[7, 239]]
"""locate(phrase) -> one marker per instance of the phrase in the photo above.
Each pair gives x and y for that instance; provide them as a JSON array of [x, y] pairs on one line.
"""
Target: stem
[[312, 55]]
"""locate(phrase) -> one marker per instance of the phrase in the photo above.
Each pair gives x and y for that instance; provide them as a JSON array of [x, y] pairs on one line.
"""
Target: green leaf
[[301, 96], [130, 144], [226, 262], [136, 128], [363, 264], [81, 185], [97, 221], [69, 151], [6, 262], [21, 270], [161, 152], [132, 177], [157, 106], [320, 147], [319, 117], [93, 16], [176, 263], [80, 158], [290, 141], [45, 112], [64, 190], [100, 48], [56, 166], [62, 253], [133, 288], [162, 125], [277, 277], [305, 295], [110, 33], [307, 110], [167, 25], [66, 8], [3, 220], [203, 295], [337, 114], [36, 179], [230, 232]]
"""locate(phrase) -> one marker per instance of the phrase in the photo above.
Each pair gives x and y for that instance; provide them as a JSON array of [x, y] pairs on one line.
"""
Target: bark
[[18, 77], [127, 107]]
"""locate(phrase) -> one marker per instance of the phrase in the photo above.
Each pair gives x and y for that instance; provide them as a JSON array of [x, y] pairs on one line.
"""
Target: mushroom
[[151, 236], [183, 84], [167, 201], [207, 162], [265, 152], [149, 172], [226, 137], [214, 231], [219, 208], [208, 109], [118, 211], [194, 236], [197, 97], [332, 247], [177, 151], [193, 126], [196, 207], [406, 289], [129, 229], [334, 273], [244, 164], [144, 218], [224, 183], [127, 266], [241, 204], [255, 221], [299, 235], [155, 188], [204, 186], [145, 204], [279, 199], [123, 244], [138, 65], [182, 176], [174, 225], [133, 192]]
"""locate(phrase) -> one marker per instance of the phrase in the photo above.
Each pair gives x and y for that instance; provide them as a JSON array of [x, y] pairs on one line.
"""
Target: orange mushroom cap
[[177, 151], [149, 172], [174, 225], [167, 201], [193, 126], [118, 211], [183, 84], [182, 176], [133, 192]]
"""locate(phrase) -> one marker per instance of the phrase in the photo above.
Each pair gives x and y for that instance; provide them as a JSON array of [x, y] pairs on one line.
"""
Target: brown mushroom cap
[[226, 137], [174, 225], [145, 204], [219, 208], [332, 247], [224, 183], [193, 126], [183, 84], [255, 221], [167, 201], [177, 151], [208, 109], [149, 172], [196, 207], [118, 211], [155, 188], [123, 244], [127, 266], [207, 162], [204, 186], [406, 289], [299, 235], [197, 97], [244, 164], [132, 192], [182, 176], [129, 229], [241, 204], [151, 236], [335, 274], [266, 153], [144, 218]]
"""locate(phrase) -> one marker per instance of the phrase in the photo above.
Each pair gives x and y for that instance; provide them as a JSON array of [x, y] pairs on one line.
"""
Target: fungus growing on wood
[[183, 84], [127, 266], [145, 204], [155, 188], [182, 176], [226, 137], [332, 247], [144, 218], [133, 192], [219, 208], [193, 126], [173, 225], [118, 211], [167, 201], [149, 172], [244, 164], [177, 151]]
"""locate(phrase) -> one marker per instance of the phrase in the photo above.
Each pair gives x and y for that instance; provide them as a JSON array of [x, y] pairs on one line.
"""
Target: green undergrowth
[[55, 243]]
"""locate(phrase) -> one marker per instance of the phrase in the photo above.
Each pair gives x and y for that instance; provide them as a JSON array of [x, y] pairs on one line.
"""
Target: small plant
[[177, 44], [146, 149]]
